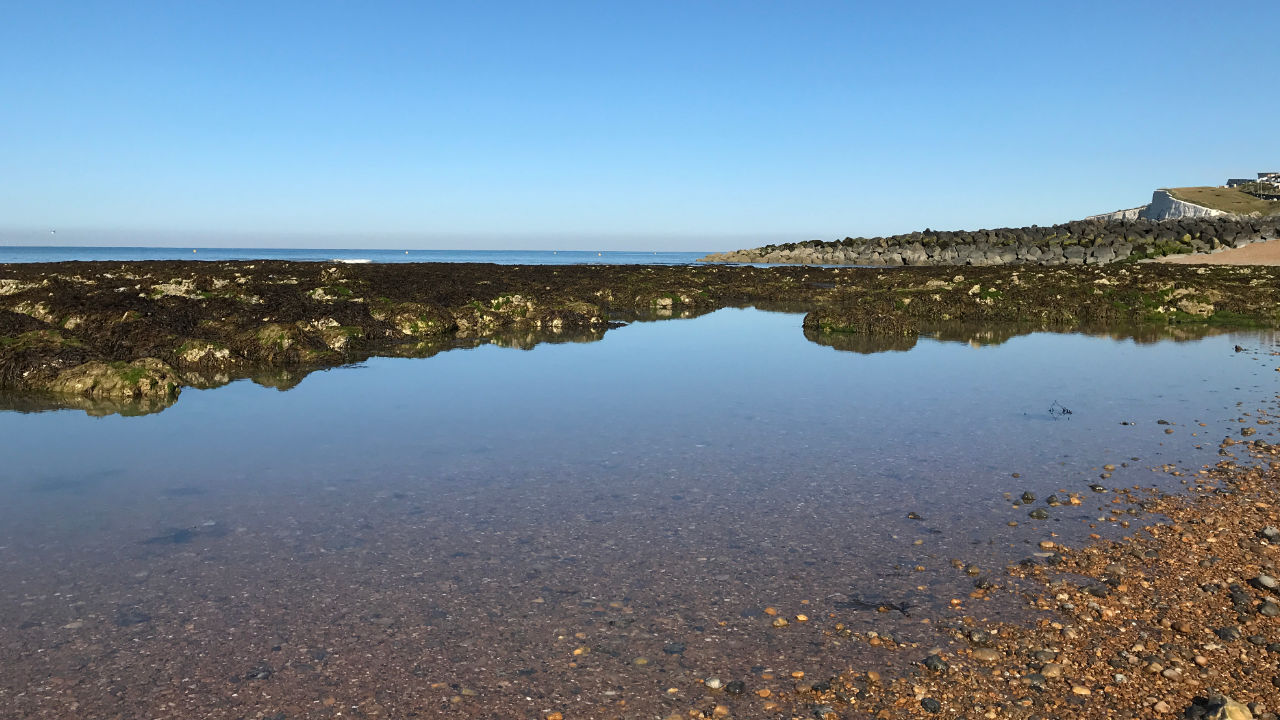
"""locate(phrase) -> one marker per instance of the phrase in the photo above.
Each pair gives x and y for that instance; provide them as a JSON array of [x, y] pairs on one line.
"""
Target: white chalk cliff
[[1163, 206]]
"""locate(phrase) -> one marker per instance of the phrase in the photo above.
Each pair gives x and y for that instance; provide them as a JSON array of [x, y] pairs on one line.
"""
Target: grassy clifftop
[[1226, 200]]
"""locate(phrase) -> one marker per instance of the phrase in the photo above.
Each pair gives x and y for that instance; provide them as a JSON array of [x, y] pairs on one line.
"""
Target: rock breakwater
[[1082, 242]]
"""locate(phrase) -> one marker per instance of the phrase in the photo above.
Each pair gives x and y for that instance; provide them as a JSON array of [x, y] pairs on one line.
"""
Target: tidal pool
[[589, 528]]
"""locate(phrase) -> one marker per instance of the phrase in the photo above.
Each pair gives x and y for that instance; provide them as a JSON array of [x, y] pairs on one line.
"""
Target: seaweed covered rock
[[860, 319], [147, 377]]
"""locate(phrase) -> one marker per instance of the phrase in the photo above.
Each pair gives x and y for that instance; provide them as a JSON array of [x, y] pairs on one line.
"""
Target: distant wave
[[352, 261]]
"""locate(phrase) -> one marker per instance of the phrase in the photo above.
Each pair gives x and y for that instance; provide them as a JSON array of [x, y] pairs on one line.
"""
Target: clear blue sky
[[646, 125]]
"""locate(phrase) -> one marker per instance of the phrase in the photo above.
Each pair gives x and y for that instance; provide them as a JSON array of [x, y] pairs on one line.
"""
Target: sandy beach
[[1263, 253]]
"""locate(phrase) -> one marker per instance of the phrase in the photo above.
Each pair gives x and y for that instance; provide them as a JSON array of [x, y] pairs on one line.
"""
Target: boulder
[[145, 378]]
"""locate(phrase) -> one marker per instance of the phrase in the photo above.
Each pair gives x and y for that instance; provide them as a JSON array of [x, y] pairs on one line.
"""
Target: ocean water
[[13, 254], [567, 527]]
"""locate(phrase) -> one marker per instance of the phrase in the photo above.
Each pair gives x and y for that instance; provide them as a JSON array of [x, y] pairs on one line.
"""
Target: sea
[[52, 253]]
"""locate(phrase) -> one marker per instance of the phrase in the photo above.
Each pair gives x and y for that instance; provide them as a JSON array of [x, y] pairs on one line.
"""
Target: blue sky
[[645, 125]]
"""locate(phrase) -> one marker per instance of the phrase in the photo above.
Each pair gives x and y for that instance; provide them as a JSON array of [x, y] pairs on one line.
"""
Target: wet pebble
[[713, 683], [931, 705], [935, 663], [986, 655], [1039, 514]]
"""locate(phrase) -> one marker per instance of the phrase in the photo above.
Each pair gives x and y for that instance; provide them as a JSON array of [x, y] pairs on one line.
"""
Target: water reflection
[[288, 378]]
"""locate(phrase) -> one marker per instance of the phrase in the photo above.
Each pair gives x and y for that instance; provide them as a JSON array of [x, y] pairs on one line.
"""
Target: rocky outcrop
[[100, 331], [144, 378], [1083, 242]]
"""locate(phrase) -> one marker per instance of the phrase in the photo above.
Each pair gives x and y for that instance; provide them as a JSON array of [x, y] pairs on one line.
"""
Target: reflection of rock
[[280, 378], [97, 407], [145, 378], [980, 335], [862, 343]]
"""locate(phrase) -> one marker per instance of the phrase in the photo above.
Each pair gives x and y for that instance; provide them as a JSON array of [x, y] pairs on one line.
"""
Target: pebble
[[1039, 514], [713, 683], [1028, 498], [780, 622], [931, 705], [1051, 670], [1080, 690], [1266, 582], [935, 663], [1269, 609], [1162, 707], [986, 655]]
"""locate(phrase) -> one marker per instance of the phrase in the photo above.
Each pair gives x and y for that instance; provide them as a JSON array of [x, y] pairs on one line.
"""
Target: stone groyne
[[1092, 242]]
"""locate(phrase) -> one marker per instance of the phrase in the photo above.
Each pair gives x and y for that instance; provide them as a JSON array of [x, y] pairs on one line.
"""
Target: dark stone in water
[[673, 648], [931, 705], [735, 687], [935, 663], [1028, 498], [1039, 514], [262, 671], [129, 616], [179, 536]]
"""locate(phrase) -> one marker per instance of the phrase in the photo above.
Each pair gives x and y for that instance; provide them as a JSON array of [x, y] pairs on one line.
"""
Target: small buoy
[[193, 251], [599, 254], [406, 252]]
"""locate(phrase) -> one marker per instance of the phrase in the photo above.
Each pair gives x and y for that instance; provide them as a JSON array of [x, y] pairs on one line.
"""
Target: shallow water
[[392, 534]]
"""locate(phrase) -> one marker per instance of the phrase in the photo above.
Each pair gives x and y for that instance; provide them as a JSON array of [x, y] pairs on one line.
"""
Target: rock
[[1227, 634], [1217, 708], [986, 655], [931, 705], [1039, 514], [143, 378], [1051, 670], [132, 615], [1265, 582], [735, 687], [1028, 498], [935, 663], [713, 683]]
